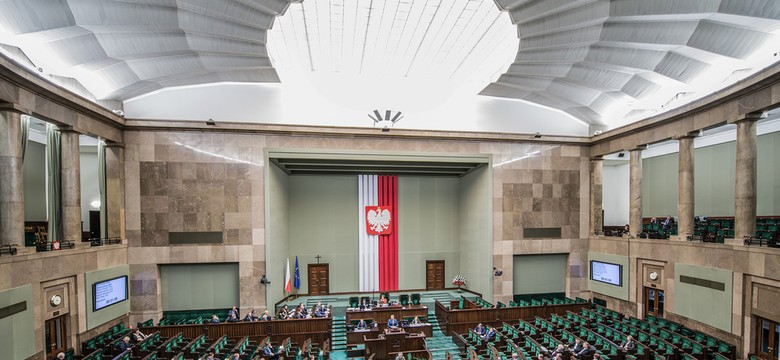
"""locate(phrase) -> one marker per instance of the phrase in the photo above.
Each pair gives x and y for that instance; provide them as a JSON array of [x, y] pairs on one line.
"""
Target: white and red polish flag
[[378, 233], [287, 280]]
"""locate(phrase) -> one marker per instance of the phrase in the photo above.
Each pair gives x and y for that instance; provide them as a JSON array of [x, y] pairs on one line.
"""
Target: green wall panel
[[704, 304], [619, 292], [768, 179], [35, 182], [199, 286], [323, 220], [428, 228], [534, 274], [104, 315], [17, 332], [476, 231], [659, 185], [277, 245]]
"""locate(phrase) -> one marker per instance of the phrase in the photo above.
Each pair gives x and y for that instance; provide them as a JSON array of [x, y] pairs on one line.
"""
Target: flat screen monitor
[[109, 292], [606, 272]]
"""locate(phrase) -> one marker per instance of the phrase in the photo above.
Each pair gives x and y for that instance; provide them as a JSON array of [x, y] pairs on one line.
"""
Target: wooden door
[[434, 275], [767, 339], [654, 302], [318, 279], [56, 336]]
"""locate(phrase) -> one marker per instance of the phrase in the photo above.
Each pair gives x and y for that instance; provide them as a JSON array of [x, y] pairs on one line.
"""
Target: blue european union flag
[[297, 280]]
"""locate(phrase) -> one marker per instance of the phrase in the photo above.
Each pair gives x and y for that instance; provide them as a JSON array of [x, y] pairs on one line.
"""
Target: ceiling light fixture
[[388, 120]]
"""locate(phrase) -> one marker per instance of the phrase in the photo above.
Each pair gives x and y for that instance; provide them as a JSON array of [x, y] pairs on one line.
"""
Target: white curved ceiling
[[604, 62], [122, 49], [609, 61]]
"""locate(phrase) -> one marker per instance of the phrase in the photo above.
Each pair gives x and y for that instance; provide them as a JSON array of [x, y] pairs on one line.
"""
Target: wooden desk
[[388, 343], [357, 336], [426, 329], [382, 314]]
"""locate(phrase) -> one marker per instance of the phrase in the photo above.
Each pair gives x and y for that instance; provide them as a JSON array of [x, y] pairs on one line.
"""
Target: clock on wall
[[654, 276], [55, 300]]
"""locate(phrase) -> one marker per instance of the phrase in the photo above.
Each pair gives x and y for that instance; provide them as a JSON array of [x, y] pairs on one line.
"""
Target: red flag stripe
[[388, 244]]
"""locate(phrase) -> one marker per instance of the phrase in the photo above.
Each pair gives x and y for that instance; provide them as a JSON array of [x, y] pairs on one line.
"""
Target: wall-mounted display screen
[[109, 292], [606, 272]]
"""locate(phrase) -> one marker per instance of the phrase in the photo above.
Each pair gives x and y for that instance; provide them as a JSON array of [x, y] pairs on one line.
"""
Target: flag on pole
[[297, 281], [287, 282]]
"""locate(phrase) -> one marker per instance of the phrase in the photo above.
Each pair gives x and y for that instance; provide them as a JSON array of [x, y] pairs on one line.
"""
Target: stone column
[[635, 191], [685, 188], [596, 191], [12, 181], [70, 191], [115, 190], [745, 178]]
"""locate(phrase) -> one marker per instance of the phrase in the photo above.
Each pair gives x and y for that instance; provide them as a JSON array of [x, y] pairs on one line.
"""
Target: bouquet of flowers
[[459, 281]]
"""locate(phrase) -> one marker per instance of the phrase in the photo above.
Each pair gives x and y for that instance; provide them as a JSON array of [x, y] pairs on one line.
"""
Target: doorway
[[434, 275], [56, 336], [767, 339], [318, 279], [654, 302]]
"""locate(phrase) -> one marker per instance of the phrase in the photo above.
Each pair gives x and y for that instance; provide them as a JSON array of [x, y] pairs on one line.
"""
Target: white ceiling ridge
[[557, 7]]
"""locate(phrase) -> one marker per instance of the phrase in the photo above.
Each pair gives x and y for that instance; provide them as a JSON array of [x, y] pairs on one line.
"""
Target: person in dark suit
[[416, 321], [284, 313], [584, 353], [125, 344], [480, 329], [667, 224], [559, 350], [232, 318], [576, 346], [266, 316], [233, 311], [491, 332], [365, 305], [211, 356], [268, 351], [250, 316], [629, 345], [393, 322], [362, 324], [214, 319]]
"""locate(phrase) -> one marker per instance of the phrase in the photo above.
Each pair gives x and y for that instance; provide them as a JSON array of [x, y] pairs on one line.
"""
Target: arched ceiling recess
[[122, 49], [611, 62]]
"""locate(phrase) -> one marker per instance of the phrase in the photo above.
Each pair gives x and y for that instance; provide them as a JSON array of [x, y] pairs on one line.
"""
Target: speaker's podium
[[392, 341]]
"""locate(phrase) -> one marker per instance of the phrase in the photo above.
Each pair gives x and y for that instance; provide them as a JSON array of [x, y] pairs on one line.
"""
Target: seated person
[[303, 310], [514, 356], [629, 345], [232, 318], [540, 356], [235, 356], [214, 319], [268, 350], [297, 314], [576, 346], [400, 356], [596, 356], [266, 316], [211, 357], [491, 332], [559, 350], [284, 313], [233, 311], [667, 224], [584, 353], [362, 325], [250, 316], [136, 335], [60, 356], [558, 356], [382, 300], [480, 329], [125, 344], [365, 305], [392, 322], [320, 311], [416, 321], [653, 221]]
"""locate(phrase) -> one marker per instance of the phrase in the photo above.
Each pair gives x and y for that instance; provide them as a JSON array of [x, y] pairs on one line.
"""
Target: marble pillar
[[596, 191], [115, 186], [70, 183], [635, 192], [12, 183], [745, 179], [685, 188]]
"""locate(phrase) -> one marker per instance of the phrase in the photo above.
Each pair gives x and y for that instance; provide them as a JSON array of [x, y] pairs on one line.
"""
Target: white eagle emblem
[[378, 220]]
